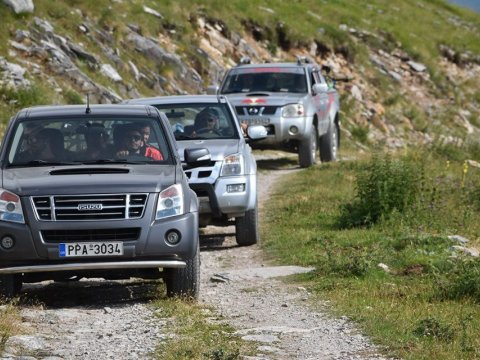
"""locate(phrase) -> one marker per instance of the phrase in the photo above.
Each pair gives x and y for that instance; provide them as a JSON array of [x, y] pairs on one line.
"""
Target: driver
[[206, 122]]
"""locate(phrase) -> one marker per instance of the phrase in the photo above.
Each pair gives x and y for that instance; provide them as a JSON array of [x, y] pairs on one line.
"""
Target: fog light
[[234, 188], [294, 129], [7, 242], [172, 237]]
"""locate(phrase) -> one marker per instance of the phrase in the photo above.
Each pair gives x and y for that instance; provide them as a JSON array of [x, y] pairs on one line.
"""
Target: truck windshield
[[200, 121], [46, 142], [275, 79]]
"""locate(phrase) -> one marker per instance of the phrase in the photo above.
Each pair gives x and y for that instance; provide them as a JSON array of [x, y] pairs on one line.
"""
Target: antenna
[[87, 110]]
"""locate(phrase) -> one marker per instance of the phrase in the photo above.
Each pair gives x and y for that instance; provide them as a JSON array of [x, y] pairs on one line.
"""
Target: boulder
[[20, 6]]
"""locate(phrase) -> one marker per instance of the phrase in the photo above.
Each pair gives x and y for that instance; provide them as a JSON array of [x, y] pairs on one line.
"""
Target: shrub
[[461, 282], [433, 328], [382, 186]]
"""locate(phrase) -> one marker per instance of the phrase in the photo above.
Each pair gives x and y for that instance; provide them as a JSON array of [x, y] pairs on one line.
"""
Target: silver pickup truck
[[294, 102]]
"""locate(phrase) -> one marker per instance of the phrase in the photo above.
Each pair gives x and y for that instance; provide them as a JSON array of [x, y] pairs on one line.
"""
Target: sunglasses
[[211, 119], [134, 137]]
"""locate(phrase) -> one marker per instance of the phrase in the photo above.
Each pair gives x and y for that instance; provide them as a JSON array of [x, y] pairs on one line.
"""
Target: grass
[[426, 305], [198, 334], [9, 323]]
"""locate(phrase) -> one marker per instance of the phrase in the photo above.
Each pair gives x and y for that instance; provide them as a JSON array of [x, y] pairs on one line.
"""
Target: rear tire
[[307, 151], [246, 228], [10, 285], [329, 144], [184, 282]]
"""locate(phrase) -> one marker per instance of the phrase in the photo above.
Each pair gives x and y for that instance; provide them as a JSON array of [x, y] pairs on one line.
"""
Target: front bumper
[[280, 129], [32, 253]]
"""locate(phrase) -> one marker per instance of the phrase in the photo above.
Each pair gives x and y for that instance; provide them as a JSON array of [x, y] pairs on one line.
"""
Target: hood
[[265, 98], [219, 148], [75, 180]]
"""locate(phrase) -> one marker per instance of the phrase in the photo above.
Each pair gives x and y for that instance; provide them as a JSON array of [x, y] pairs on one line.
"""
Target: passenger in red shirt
[[133, 144]]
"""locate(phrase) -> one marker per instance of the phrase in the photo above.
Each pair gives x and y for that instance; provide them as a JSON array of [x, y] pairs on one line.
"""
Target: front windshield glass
[[64, 141], [200, 121], [265, 79]]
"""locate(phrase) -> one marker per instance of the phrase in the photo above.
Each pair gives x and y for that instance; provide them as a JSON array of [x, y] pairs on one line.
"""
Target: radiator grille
[[90, 207]]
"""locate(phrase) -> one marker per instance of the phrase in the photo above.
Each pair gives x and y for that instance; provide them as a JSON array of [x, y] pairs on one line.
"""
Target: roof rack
[[245, 60], [303, 60]]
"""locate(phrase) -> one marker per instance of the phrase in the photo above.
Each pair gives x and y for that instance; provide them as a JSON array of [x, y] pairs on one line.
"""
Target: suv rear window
[[265, 79], [97, 140]]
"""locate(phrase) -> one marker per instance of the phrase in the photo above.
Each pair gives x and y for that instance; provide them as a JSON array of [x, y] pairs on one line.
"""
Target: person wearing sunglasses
[[133, 144], [206, 122]]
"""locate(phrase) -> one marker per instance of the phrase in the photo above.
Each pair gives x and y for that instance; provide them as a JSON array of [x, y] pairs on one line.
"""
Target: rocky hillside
[[412, 66]]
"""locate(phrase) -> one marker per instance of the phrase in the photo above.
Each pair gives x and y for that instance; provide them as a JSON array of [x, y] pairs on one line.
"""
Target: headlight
[[170, 202], [232, 165], [10, 207], [293, 110]]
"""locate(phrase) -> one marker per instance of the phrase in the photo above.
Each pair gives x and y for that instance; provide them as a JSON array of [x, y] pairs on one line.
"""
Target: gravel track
[[98, 319]]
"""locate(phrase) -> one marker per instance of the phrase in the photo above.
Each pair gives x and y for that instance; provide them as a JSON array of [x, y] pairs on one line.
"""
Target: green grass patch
[[198, 334], [425, 305]]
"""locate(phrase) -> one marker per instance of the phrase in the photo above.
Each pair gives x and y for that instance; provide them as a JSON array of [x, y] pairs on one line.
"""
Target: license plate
[[90, 249], [257, 121]]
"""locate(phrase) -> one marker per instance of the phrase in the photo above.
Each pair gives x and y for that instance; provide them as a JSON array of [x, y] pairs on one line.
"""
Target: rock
[[384, 267], [459, 239], [417, 66], [220, 278], [356, 93], [473, 163], [395, 75], [24, 343], [134, 70], [467, 251], [261, 338], [44, 25], [152, 12], [110, 72], [20, 6], [82, 54]]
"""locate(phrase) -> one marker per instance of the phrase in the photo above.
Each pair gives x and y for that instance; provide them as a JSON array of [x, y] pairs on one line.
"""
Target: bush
[[461, 282], [382, 186], [432, 328]]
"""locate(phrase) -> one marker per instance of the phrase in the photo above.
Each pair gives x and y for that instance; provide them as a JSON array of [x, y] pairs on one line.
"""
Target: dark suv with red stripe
[[295, 103], [84, 193]]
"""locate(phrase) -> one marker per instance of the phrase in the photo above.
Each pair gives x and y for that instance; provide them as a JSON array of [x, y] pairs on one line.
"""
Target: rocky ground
[[99, 319]]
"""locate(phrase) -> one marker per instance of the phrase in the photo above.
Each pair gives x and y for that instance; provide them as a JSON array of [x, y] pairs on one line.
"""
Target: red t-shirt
[[155, 154]]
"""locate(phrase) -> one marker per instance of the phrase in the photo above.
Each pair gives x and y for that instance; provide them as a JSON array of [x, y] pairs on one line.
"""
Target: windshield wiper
[[39, 162], [113, 161], [182, 137]]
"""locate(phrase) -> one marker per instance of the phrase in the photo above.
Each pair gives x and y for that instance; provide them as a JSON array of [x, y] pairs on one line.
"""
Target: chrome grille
[[89, 207]]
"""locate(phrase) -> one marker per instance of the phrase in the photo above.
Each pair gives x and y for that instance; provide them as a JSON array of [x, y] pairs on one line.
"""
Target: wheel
[[329, 144], [308, 149], [185, 282], [246, 228], [10, 285]]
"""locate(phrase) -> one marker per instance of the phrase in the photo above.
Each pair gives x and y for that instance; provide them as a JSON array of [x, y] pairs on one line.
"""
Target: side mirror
[[257, 132], [319, 88], [212, 89], [197, 157]]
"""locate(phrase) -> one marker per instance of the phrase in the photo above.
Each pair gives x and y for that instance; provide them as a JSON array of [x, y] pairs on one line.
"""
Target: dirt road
[[113, 320]]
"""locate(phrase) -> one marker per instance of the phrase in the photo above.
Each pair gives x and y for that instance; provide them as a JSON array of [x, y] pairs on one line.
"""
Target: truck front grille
[[255, 110], [89, 207], [65, 236]]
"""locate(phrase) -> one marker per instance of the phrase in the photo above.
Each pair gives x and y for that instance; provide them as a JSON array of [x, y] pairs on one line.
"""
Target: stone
[[263, 338], [152, 12], [20, 6], [418, 67], [384, 267], [465, 250], [24, 343], [110, 72]]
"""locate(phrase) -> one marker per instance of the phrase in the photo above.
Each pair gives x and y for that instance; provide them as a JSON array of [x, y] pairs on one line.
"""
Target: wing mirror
[[212, 89], [319, 88], [197, 157]]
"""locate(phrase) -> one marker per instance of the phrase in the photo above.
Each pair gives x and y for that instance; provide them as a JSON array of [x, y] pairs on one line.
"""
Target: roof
[[178, 99], [80, 110], [268, 65]]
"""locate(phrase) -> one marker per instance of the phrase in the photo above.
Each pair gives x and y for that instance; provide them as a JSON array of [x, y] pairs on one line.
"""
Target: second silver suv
[[293, 101], [226, 186]]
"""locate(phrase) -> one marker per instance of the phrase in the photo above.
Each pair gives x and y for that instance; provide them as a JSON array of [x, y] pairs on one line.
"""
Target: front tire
[[185, 282], [246, 228], [308, 149], [329, 144], [10, 285]]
